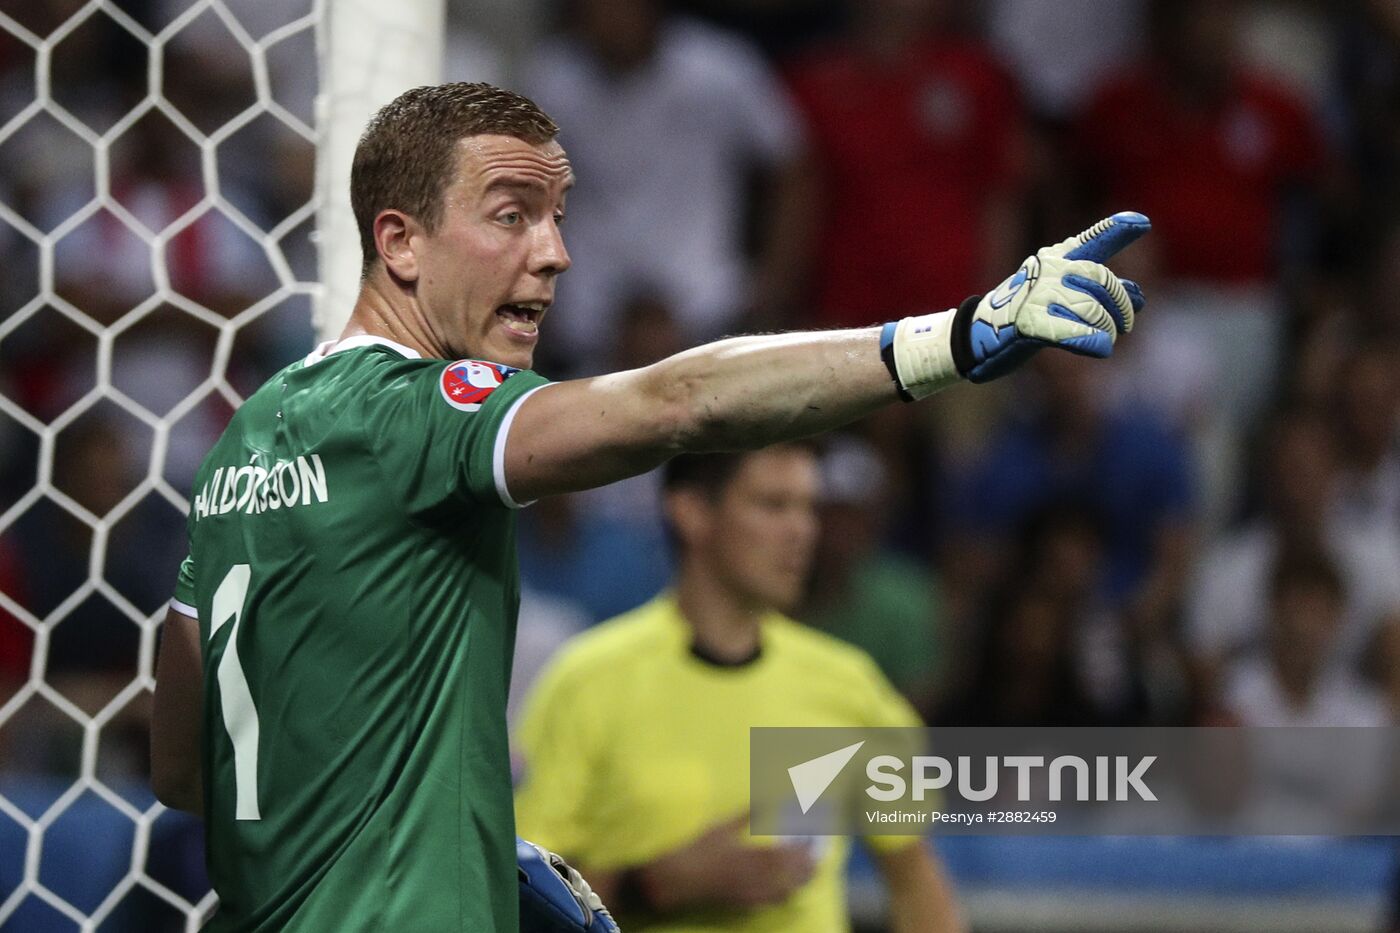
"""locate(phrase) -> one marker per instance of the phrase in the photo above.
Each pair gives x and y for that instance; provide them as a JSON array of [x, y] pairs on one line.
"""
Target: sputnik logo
[[811, 778]]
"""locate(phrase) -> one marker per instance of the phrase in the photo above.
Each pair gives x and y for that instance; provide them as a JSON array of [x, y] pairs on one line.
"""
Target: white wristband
[[923, 353]]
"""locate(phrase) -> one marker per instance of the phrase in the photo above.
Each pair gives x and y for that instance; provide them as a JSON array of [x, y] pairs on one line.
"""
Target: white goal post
[[371, 52], [87, 219]]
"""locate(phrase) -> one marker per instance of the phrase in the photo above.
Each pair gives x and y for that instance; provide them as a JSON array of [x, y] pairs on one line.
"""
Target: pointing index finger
[[1108, 237]]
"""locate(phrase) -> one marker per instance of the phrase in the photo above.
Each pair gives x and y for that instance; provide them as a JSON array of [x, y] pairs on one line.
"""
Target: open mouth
[[523, 318]]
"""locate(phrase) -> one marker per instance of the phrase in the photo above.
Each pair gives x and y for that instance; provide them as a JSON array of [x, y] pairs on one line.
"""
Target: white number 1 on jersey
[[240, 716]]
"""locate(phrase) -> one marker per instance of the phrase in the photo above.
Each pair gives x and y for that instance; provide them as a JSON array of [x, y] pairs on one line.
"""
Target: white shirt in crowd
[[1253, 693], [1227, 608], [663, 154]]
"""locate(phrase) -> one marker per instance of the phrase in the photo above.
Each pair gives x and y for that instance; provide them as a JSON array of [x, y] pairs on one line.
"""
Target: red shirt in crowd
[[909, 152], [1210, 179]]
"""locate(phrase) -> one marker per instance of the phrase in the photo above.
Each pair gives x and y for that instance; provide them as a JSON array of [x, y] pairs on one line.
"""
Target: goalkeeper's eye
[[510, 218], [559, 219]]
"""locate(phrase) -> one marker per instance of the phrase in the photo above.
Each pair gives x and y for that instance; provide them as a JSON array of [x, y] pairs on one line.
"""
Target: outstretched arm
[[752, 391], [735, 393]]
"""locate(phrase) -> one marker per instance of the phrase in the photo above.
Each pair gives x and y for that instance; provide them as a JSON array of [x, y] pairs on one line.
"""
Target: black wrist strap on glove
[[962, 335]]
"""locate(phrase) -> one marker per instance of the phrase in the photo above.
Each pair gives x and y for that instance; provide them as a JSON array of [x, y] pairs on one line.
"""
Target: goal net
[[173, 216]]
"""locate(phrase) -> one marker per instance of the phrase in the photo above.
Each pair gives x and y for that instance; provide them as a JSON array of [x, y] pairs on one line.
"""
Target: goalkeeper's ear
[[393, 240]]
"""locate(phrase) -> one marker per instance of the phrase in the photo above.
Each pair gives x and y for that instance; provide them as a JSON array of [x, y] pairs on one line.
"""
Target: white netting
[[156, 166]]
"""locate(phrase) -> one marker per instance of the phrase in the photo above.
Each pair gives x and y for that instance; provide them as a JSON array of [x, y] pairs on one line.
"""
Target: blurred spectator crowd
[[1204, 530]]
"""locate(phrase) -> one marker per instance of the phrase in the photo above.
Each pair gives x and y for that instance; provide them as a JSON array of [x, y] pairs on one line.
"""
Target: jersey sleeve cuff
[[185, 609], [498, 454]]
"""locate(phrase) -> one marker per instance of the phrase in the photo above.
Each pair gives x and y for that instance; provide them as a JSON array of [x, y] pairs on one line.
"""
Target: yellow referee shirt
[[634, 747]]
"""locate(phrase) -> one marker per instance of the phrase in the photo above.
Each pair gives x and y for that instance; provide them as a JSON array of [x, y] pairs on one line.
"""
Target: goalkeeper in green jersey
[[331, 685]]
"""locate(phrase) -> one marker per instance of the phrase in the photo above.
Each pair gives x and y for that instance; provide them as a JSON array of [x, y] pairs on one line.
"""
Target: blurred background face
[[621, 32], [1383, 287], [647, 332], [1067, 561], [1302, 471], [1305, 621], [1370, 399], [914, 15], [1199, 39], [758, 535], [1034, 632]]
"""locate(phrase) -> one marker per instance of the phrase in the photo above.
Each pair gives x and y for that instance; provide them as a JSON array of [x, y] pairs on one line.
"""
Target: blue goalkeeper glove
[[1063, 296], [554, 898]]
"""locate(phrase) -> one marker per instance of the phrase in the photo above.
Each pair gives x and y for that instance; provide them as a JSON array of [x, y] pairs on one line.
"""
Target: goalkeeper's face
[[487, 273], [758, 536]]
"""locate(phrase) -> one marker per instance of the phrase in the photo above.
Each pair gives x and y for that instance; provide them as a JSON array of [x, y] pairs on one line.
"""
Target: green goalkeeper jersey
[[352, 566]]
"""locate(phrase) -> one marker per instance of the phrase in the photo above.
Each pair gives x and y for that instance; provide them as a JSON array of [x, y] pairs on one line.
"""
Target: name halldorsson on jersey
[[253, 488]]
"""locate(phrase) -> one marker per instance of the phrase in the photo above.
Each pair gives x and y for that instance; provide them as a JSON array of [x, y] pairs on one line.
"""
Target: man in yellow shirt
[[636, 738]]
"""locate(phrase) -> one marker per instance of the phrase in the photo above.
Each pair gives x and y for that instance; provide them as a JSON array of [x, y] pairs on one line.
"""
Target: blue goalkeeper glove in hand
[[554, 898], [1063, 296]]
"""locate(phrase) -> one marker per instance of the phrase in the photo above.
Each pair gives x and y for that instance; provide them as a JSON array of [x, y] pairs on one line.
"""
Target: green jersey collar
[[325, 349]]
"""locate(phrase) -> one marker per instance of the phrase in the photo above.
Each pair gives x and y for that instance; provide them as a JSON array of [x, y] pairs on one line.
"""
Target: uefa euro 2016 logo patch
[[467, 383]]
